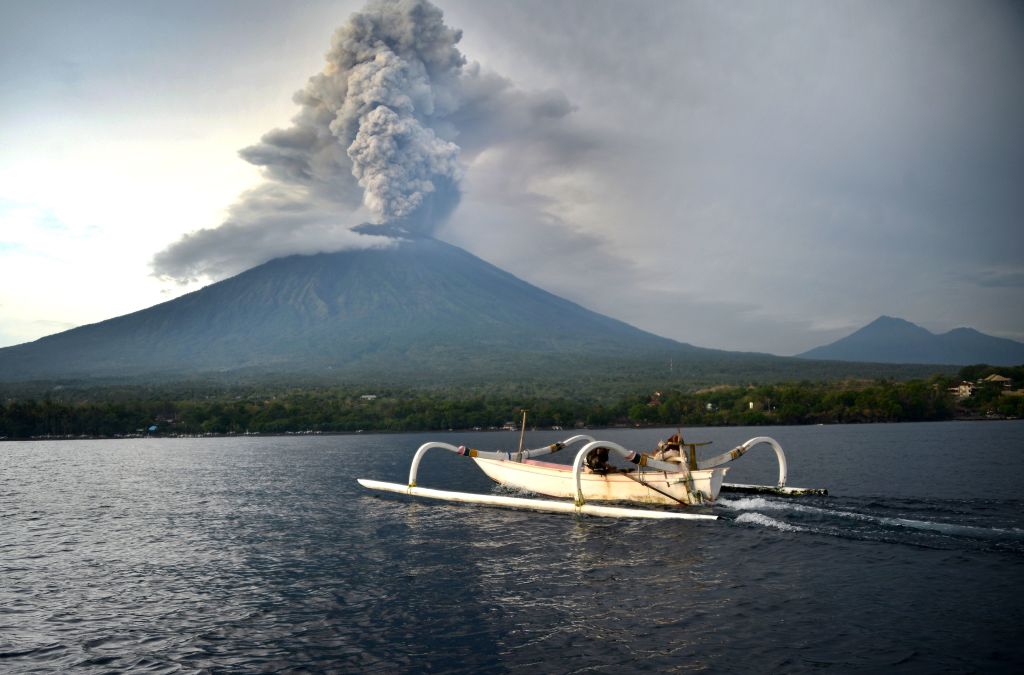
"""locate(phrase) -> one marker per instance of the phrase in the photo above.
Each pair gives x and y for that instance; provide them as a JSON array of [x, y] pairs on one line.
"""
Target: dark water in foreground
[[263, 554]]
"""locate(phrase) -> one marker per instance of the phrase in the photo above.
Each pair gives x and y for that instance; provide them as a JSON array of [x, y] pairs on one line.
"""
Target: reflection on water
[[264, 554]]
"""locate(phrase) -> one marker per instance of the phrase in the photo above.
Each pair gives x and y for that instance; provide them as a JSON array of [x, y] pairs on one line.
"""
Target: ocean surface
[[263, 554]]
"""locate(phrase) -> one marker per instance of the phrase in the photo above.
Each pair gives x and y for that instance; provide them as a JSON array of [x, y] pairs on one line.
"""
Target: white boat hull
[[643, 487]]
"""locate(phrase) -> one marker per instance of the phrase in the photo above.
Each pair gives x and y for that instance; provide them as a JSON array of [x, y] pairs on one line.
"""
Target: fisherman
[[597, 460]]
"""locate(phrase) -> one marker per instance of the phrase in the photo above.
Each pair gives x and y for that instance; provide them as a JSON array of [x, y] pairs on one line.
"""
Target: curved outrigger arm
[[554, 447], [637, 458], [739, 450], [473, 452]]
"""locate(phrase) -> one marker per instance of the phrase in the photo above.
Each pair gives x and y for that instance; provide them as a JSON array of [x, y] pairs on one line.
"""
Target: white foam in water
[[949, 528], [763, 520], [748, 503], [760, 503], [512, 490]]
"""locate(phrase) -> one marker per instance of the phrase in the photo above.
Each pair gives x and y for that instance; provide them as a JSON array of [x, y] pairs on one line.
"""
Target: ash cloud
[[383, 130]]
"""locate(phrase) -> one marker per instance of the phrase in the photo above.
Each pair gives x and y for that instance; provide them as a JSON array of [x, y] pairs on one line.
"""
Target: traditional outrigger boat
[[673, 475]]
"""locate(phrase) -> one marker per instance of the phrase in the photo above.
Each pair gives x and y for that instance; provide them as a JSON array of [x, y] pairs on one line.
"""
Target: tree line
[[349, 410]]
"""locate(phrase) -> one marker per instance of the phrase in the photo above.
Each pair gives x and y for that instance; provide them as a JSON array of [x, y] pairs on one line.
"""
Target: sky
[[757, 176]]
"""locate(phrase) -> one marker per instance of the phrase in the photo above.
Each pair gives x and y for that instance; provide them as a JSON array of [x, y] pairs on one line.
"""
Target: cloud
[[1000, 279], [733, 176], [269, 221], [802, 168], [380, 135]]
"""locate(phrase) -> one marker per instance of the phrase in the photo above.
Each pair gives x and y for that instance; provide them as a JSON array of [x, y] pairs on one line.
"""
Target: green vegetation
[[220, 409]]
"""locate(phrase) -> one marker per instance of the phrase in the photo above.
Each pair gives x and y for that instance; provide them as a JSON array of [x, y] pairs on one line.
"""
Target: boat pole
[[522, 436]]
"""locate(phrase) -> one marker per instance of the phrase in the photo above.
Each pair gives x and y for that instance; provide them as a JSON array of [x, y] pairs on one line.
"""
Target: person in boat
[[597, 460], [668, 448]]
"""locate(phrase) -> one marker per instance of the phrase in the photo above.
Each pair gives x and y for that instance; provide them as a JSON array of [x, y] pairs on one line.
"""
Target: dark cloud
[[808, 166], [742, 175]]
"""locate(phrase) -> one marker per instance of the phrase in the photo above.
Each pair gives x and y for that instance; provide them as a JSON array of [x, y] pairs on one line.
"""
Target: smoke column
[[376, 128], [392, 76]]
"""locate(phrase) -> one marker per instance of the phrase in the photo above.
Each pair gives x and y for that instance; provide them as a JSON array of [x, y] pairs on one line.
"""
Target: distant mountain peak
[[964, 330], [890, 339], [885, 319], [892, 323]]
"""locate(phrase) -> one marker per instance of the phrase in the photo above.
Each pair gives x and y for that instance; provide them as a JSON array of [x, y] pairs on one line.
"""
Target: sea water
[[264, 554]]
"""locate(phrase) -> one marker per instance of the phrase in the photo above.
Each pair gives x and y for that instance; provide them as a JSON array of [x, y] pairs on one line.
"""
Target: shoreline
[[368, 432]]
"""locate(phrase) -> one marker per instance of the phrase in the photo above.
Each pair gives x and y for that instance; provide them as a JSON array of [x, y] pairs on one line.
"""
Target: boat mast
[[522, 434]]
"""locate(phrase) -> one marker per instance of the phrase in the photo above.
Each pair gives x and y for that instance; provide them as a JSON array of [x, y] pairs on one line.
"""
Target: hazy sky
[[764, 176]]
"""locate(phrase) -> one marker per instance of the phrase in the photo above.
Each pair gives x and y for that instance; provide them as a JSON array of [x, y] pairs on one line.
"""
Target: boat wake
[[952, 524], [513, 491], [765, 521]]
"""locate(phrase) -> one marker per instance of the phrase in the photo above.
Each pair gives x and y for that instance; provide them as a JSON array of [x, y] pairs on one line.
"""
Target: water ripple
[[261, 555]]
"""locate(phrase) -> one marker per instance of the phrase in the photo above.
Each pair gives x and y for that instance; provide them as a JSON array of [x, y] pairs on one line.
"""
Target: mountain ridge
[[893, 340], [419, 313]]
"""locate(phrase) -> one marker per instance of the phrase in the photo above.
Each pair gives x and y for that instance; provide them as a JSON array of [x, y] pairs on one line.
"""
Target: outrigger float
[[672, 475]]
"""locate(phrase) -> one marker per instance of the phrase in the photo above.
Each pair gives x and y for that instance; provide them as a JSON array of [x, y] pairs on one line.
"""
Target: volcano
[[418, 310]]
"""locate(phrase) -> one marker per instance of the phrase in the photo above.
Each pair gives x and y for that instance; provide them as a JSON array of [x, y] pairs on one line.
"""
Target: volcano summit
[[417, 310]]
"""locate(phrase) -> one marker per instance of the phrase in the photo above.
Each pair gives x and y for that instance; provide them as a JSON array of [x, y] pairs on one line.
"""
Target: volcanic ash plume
[[375, 128], [392, 77]]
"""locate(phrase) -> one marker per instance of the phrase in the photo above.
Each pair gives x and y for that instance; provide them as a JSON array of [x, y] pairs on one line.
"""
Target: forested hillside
[[325, 410]]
